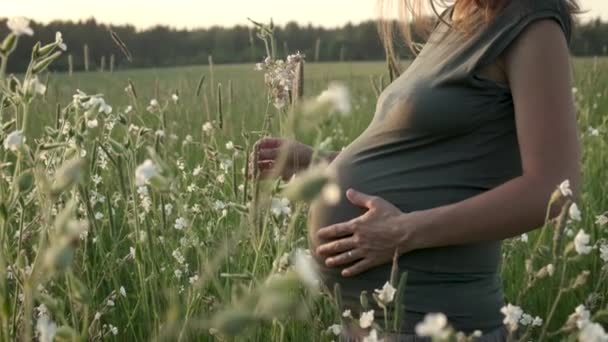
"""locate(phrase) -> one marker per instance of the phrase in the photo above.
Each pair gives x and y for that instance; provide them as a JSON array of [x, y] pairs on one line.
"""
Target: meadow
[[97, 243]]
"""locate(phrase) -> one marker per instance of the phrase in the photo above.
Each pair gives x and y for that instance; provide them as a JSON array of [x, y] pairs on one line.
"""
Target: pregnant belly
[[434, 274], [393, 179]]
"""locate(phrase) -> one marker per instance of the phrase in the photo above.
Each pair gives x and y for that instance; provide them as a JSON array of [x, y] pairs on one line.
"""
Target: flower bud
[[364, 300], [306, 186], [581, 279], [80, 291], [9, 44], [43, 64], [25, 181]]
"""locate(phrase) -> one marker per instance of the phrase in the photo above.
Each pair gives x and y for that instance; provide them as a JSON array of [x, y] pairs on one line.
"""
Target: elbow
[[546, 185]]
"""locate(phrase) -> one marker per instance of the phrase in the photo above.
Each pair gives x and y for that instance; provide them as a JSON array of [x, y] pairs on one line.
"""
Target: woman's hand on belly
[[371, 239]]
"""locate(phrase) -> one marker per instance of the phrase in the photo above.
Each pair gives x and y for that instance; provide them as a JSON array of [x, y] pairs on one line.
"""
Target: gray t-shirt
[[441, 133]]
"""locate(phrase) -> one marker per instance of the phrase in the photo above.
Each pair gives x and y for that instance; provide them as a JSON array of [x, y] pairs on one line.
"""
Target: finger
[[337, 246], [268, 173], [268, 153], [337, 230], [347, 257], [360, 199], [258, 168], [357, 268], [270, 142], [265, 164]]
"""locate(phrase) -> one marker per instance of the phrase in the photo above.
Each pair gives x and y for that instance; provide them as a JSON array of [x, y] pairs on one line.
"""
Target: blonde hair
[[412, 19]]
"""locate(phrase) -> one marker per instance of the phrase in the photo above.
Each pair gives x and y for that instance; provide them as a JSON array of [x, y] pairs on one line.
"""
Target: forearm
[[513, 208]]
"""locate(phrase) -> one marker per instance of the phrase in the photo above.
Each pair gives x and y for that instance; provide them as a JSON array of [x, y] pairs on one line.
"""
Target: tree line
[[90, 45]]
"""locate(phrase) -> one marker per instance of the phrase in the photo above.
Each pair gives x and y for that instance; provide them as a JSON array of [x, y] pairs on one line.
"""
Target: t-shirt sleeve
[[508, 26]]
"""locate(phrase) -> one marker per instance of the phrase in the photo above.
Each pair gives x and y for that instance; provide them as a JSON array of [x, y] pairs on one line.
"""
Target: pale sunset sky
[[205, 13]]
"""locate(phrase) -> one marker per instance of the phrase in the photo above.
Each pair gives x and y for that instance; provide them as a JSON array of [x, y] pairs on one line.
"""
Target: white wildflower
[[113, 330], [280, 206], [347, 314], [230, 145], [98, 216], [153, 106], [434, 325], [564, 188], [20, 26], [110, 303], [59, 41], [175, 98], [526, 319], [178, 256], [574, 212], [305, 268], [581, 243], [524, 237], [34, 86], [207, 127], [537, 322], [123, 292], [335, 329], [366, 319], [337, 96], [512, 315], [14, 141], [92, 123], [221, 178], [592, 332], [180, 223], [226, 164], [601, 220], [581, 316], [219, 205], [604, 252], [132, 252], [594, 132], [372, 337], [104, 107], [387, 293], [178, 273], [46, 329], [144, 172]]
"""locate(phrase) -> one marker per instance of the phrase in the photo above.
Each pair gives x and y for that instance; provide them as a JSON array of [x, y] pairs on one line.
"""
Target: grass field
[[185, 258]]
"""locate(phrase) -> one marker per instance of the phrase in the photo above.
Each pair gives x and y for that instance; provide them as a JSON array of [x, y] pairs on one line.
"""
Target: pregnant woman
[[464, 150]]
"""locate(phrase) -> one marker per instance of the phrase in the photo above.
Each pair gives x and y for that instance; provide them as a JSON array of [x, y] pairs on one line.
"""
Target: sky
[[205, 13]]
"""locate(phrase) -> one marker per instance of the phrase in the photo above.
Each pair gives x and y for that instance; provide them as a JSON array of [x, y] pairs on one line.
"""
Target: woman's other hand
[[270, 151]]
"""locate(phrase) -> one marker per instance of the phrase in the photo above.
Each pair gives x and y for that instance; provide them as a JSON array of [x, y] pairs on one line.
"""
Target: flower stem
[[3, 63]]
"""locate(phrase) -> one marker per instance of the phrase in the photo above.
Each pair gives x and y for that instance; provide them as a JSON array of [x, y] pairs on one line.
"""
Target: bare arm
[[538, 70]]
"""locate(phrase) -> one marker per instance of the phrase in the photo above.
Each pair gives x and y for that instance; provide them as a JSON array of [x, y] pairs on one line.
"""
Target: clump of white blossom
[[279, 76]]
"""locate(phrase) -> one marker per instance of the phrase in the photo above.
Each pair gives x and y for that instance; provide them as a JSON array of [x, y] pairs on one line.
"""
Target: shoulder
[[539, 50], [527, 12]]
